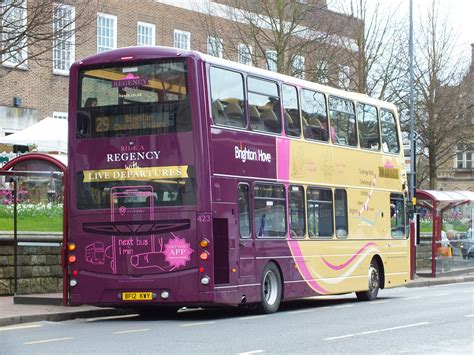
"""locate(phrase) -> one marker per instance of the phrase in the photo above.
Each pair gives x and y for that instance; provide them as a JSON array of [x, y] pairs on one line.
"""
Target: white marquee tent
[[48, 135]]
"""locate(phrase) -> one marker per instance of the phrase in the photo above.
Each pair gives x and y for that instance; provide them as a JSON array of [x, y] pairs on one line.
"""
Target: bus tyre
[[374, 284], [270, 289]]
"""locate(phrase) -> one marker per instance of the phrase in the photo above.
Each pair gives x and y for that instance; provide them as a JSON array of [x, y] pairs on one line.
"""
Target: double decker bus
[[197, 181]]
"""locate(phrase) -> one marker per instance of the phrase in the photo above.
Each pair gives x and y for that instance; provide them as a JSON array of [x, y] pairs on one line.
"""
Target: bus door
[[246, 242]]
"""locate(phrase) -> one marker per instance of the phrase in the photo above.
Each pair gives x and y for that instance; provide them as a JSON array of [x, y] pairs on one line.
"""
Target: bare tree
[[31, 28], [378, 60], [279, 32], [440, 120]]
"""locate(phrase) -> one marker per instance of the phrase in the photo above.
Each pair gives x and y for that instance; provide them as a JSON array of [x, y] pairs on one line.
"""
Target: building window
[[215, 47], [145, 34], [60, 115], [271, 59], [13, 25], [464, 158], [63, 26], [322, 72], [182, 39], [106, 32], [298, 66], [244, 54]]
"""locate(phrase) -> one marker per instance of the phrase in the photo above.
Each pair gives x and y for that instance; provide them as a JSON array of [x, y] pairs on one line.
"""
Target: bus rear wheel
[[374, 284], [271, 289]]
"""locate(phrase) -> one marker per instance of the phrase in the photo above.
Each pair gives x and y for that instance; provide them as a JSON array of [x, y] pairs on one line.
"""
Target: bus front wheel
[[271, 289], [374, 284]]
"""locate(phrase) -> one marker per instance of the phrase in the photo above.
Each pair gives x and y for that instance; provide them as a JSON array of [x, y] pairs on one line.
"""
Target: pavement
[[11, 312]]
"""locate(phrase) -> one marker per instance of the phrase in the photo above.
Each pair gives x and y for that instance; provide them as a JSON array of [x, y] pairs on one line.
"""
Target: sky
[[460, 15]]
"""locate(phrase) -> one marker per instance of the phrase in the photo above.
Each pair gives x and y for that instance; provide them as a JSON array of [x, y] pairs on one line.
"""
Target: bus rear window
[[137, 99], [164, 192]]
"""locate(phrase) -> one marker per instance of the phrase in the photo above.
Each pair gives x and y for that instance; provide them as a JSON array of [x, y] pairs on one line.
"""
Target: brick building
[[32, 91], [458, 174]]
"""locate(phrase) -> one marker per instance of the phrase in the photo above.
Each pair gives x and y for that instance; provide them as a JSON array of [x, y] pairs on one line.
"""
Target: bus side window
[[340, 207], [297, 213], [320, 212], [368, 127], [343, 123], [244, 210], [388, 126], [269, 211], [227, 98], [314, 115], [397, 215], [264, 96], [291, 111]]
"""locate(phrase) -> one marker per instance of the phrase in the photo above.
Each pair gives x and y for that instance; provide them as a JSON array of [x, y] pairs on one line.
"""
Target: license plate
[[137, 296]]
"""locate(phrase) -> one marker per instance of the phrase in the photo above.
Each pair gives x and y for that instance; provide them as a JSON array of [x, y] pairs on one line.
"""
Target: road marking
[[132, 331], [377, 331], [194, 324], [379, 302], [469, 291], [112, 317], [469, 315], [252, 352], [253, 317], [302, 311], [413, 298], [16, 327], [47, 341], [442, 294], [344, 306]]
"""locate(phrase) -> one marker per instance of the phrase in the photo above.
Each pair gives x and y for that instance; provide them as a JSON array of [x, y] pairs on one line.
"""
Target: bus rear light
[[204, 255], [72, 259], [205, 280], [75, 273], [72, 282], [71, 246], [165, 295], [204, 243], [201, 270]]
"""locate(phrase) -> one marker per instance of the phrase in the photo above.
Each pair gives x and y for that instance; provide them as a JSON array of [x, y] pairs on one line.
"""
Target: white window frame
[[60, 115], [271, 60], [244, 54], [101, 47], [298, 66], [9, 59], [461, 161], [215, 47], [151, 36], [344, 76], [182, 39], [64, 44]]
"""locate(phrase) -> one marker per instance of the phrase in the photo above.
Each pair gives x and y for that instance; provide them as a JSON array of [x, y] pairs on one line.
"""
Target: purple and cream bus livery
[[197, 181]]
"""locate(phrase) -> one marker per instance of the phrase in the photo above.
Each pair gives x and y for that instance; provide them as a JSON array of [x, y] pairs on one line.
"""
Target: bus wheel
[[270, 289], [374, 284]]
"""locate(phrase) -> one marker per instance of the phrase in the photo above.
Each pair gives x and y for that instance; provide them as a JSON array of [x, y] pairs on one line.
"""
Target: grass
[[38, 218]]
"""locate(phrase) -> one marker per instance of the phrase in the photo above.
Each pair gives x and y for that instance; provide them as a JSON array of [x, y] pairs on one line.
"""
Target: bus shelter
[[51, 171], [446, 232]]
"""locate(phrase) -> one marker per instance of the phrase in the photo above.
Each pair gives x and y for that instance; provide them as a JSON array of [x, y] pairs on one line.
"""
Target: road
[[437, 319]]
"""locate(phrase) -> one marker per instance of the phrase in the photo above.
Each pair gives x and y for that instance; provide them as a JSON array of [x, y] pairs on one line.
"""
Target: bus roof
[[143, 53]]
